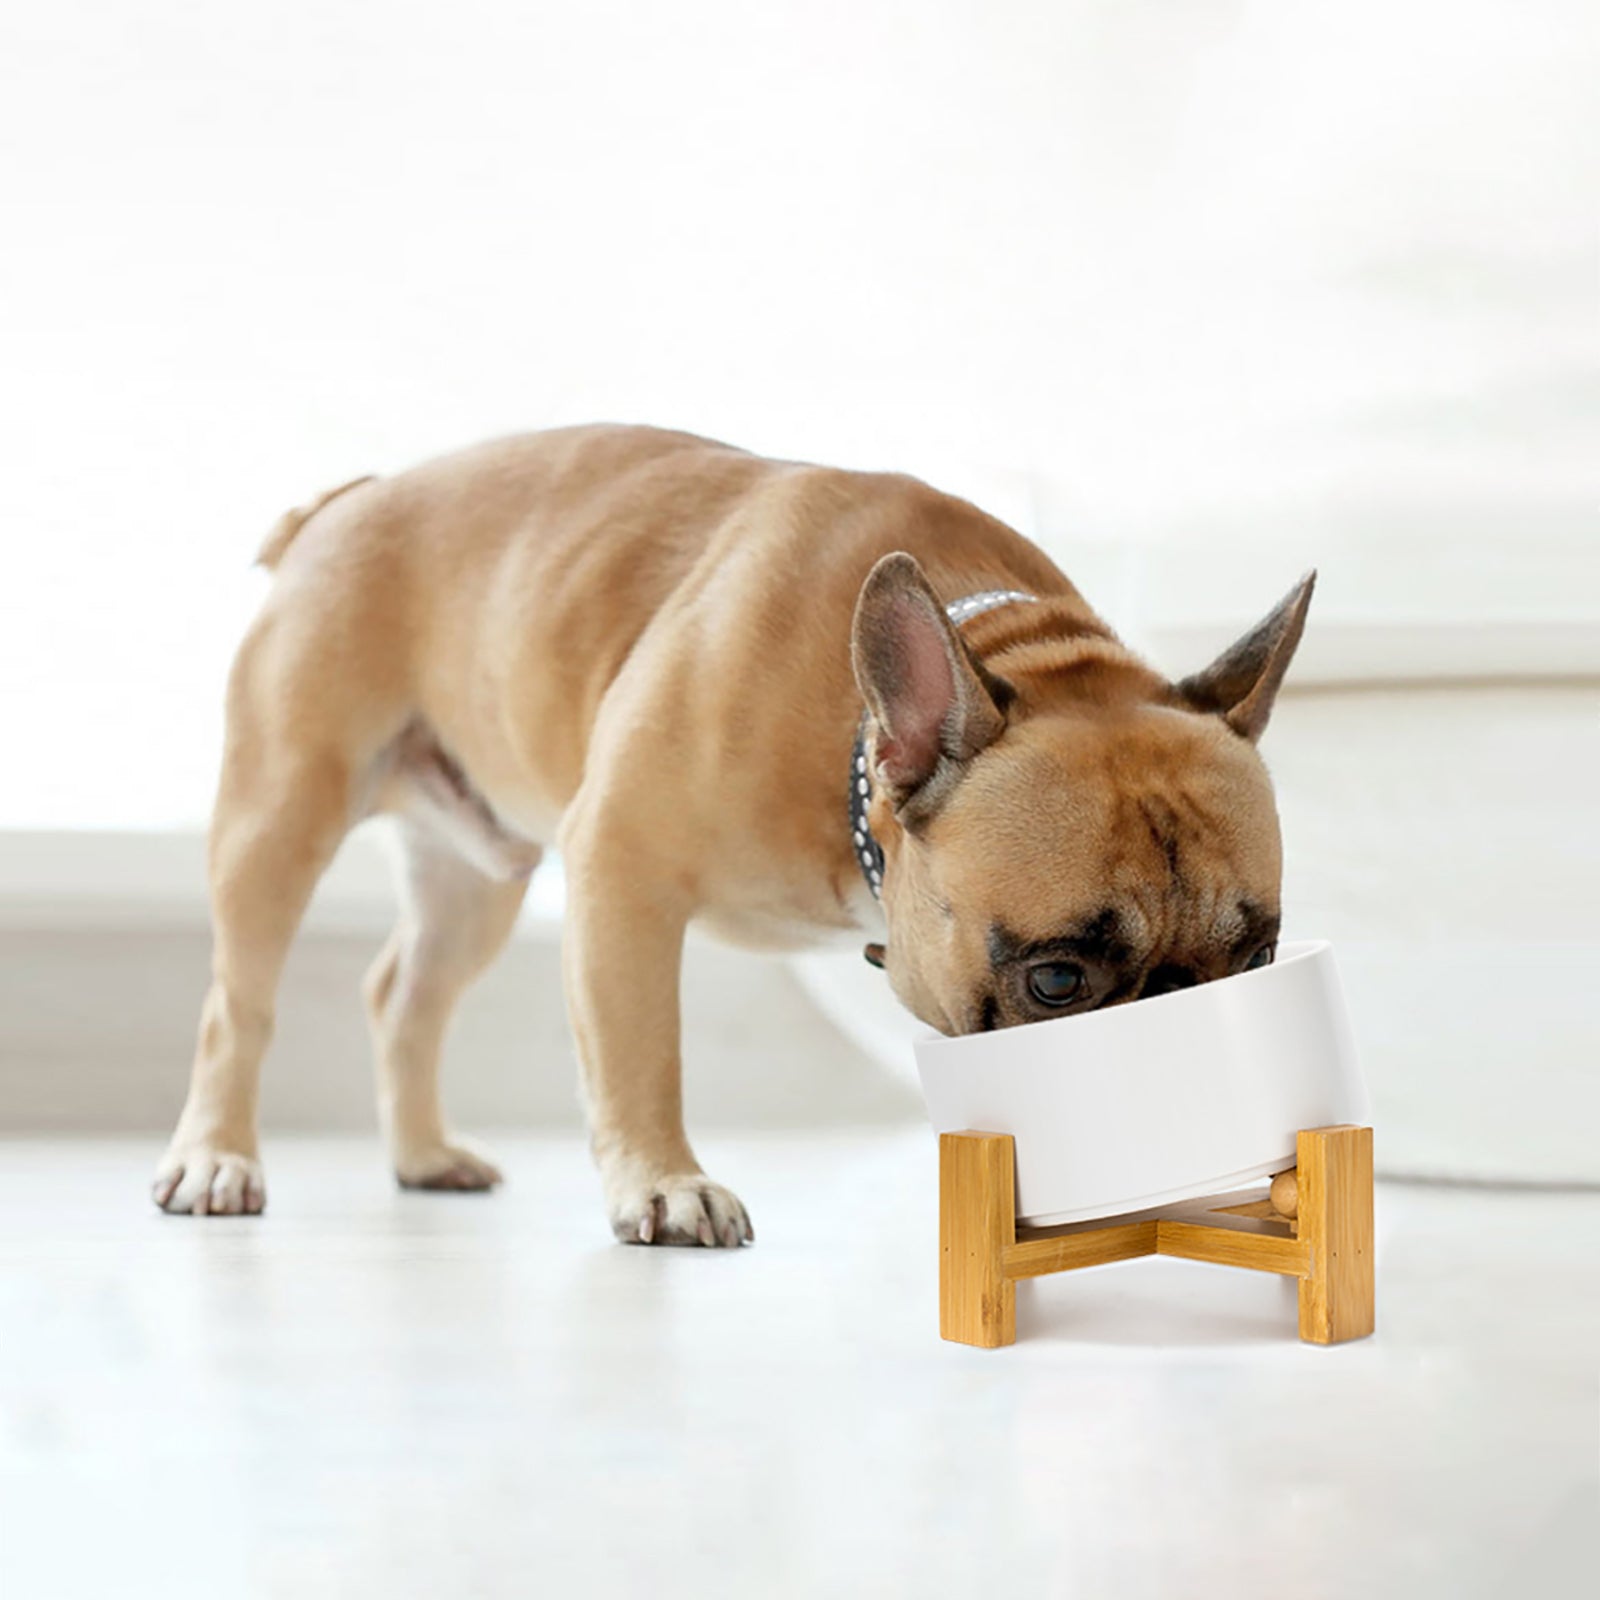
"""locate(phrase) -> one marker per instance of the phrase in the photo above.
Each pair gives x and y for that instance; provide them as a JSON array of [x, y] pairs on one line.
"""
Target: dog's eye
[[1056, 983], [1262, 958]]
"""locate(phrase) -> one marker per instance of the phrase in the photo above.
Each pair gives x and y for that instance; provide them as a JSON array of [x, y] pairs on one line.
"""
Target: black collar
[[868, 852]]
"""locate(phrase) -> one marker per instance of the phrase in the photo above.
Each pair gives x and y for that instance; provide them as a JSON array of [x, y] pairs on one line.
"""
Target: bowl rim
[[1291, 953]]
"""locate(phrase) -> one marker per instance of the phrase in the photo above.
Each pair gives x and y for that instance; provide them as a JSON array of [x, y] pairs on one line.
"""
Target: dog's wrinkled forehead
[[1124, 847]]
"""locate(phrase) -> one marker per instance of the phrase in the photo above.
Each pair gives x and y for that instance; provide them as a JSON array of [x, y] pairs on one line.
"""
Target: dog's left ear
[[934, 703], [1242, 683]]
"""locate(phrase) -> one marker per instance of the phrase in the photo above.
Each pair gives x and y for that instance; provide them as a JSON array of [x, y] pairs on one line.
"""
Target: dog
[[784, 702]]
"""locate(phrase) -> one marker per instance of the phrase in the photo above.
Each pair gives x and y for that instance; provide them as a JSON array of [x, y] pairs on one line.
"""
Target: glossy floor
[[385, 1394]]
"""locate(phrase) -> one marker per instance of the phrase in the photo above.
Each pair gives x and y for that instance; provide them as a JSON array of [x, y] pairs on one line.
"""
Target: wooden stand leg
[[1334, 1209], [977, 1221]]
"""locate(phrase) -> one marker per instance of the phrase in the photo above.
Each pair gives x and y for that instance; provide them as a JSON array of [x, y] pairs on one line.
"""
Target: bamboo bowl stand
[[1316, 1226]]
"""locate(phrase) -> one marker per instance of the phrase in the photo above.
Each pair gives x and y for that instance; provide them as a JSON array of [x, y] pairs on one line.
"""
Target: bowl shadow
[[1157, 1303]]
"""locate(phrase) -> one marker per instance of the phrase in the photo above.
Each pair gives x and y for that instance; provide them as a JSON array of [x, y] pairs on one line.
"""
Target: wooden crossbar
[[1039, 1252], [1232, 1247]]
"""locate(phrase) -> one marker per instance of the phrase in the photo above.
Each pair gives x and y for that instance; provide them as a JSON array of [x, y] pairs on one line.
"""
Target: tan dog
[[654, 652]]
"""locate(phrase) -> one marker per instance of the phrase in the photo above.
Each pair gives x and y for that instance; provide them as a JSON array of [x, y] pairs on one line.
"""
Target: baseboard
[[104, 954]]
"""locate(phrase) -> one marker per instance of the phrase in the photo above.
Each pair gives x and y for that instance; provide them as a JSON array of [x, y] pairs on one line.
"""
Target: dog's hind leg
[[279, 819], [455, 918]]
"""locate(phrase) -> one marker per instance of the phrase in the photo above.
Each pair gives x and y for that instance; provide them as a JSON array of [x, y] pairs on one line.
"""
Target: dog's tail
[[291, 522]]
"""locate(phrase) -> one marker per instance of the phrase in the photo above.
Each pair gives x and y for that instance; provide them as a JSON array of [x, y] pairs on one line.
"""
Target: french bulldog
[[784, 702]]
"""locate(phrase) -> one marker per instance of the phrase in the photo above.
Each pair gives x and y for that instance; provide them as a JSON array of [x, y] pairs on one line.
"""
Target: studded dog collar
[[869, 853]]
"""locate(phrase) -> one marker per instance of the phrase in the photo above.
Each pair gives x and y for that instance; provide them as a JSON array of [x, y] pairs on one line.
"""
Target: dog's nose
[[1164, 979]]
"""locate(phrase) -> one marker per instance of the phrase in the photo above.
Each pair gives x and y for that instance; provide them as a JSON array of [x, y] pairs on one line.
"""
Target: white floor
[[374, 1393]]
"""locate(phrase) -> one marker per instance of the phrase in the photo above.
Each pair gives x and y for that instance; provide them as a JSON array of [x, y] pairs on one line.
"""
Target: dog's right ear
[[934, 703]]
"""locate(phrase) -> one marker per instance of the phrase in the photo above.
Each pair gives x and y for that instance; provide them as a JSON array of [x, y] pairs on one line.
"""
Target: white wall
[[1318, 272], [1200, 293]]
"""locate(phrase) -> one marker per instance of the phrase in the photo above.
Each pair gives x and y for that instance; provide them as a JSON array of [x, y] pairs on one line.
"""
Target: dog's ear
[[934, 703], [1242, 683]]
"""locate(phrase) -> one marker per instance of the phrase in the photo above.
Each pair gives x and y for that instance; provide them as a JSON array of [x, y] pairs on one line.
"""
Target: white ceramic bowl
[[1184, 1095]]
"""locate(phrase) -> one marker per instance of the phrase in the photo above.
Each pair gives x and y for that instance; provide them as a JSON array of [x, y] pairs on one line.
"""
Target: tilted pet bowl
[[1045, 1129]]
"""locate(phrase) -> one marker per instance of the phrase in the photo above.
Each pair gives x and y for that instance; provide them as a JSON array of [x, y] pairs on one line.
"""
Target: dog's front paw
[[680, 1208], [453, 1165], [205, 1180]]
